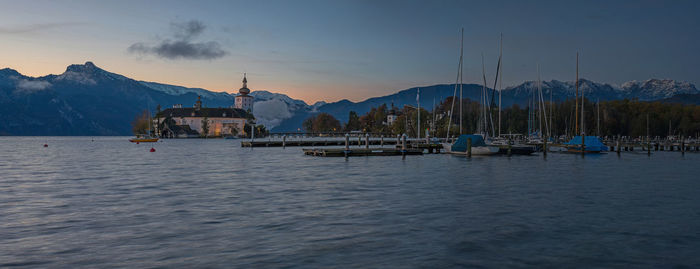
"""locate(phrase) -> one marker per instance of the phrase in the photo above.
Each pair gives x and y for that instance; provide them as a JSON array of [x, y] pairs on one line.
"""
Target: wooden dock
[[341, 152], [431, 148], [312, 143], [681, 147], [648, 147]]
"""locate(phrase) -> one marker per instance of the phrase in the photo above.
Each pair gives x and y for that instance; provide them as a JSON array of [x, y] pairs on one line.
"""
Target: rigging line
[[454, 96]]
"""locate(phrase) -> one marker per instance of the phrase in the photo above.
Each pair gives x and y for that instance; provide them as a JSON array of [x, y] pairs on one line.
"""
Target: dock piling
[[403, 145], [683, 146], [347, 145], [544, 147], [648, 147], [366, 141], [510, 148], [469, 147]]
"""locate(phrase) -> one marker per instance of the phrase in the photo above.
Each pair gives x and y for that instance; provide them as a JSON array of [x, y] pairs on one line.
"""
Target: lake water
[[210, 203]]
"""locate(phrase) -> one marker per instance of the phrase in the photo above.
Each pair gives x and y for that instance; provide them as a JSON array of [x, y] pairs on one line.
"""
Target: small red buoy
[[137, 142], [153, 150], [46, 145]]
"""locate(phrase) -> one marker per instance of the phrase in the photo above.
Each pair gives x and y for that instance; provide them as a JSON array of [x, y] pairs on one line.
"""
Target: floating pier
[[431, 148], [341, 152], [310, 143]]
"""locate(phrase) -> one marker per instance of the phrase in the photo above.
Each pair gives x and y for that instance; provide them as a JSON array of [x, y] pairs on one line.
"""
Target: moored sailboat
[[582, 143], [145, 138], [478, 146]]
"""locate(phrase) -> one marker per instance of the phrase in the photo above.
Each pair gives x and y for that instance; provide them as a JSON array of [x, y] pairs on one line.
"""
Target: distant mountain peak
[[9, 72], [88, 74], [654, 89], [88, 67]]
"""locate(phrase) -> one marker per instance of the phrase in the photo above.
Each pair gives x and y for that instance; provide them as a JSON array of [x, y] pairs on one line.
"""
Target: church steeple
[[244, 90], [244, 100]]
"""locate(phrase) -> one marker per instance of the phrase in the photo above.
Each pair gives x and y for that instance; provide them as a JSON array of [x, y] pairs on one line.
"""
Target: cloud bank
[[181, 45], [271, 112], [32, 85]]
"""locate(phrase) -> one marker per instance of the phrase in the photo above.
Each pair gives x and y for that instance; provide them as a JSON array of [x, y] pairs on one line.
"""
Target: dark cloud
[[181, 49], [182, 45]]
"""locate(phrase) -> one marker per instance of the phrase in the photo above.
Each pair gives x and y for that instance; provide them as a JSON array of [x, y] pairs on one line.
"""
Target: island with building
[[201, 121]]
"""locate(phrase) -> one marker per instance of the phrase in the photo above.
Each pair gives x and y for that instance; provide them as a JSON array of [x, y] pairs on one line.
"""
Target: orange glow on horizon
[[309, 94]]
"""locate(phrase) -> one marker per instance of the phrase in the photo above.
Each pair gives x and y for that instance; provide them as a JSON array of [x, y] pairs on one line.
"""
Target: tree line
[[606, 118]]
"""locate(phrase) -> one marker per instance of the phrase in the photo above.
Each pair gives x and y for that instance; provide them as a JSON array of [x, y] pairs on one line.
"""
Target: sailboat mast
[[551, 112], [539, 101], [432, 124], [418, 101], [647, 126], [583, 116], [500, 85], [148, 108], [530, 112], [483, 95], [454, 95], [461, 82], [598, 118], [528, 117], [576, 105]]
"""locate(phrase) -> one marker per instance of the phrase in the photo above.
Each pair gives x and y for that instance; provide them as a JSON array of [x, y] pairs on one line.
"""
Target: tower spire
[[244, 90]]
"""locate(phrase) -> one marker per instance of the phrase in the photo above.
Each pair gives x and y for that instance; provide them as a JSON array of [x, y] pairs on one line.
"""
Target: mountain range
[[87, 100]]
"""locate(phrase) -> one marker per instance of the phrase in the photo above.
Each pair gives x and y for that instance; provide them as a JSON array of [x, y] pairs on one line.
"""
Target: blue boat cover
[[593, 143], [461, 144]]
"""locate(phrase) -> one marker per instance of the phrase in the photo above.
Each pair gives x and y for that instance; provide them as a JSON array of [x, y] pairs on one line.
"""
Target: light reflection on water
[[210, 203]]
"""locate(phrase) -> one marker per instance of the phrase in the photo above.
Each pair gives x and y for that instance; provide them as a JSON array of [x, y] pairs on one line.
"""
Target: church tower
[[243, 100]]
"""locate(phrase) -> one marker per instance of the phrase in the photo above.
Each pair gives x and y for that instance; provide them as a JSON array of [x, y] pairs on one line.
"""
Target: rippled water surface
[[210, 203]]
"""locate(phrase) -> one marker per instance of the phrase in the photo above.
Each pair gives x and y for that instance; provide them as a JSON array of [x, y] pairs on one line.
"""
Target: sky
[[333, 50]]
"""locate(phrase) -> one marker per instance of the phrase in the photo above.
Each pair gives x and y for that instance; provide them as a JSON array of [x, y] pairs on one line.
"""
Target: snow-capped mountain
[[655, 89], [559, 90], [179, 90], [649, 90], [87, 100]]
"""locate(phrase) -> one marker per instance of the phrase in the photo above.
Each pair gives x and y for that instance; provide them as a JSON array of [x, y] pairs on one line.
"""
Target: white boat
[[459, 147], [478, 151]]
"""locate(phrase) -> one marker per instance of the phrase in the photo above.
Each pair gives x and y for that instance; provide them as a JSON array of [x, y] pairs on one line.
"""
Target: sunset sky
[[332, 50]]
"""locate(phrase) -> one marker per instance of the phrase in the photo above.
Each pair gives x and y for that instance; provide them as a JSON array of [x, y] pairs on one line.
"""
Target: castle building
[[186, 122], [243, 100]]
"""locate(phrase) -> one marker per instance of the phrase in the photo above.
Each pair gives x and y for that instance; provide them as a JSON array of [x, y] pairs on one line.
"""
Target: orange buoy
[[153, 150]]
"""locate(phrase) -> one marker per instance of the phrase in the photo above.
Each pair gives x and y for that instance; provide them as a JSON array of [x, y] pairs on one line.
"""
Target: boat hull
[[478, 151], [143, 140], [518, 150]]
